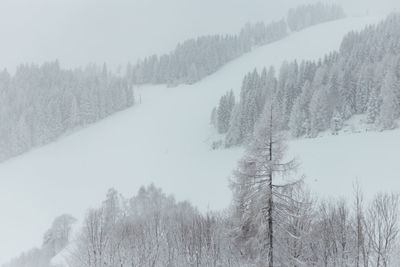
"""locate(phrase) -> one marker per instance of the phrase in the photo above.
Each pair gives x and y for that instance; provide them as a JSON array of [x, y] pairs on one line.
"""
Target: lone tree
[[260, 187]]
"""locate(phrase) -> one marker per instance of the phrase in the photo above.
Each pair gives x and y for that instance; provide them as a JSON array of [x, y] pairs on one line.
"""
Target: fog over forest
[[120, 31]]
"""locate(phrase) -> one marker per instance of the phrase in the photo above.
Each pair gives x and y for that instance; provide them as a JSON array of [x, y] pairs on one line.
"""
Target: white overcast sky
[[116, 31]]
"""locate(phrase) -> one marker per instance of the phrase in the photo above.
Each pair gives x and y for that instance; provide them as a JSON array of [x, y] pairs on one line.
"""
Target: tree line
[[197, 58], [307, 15], [54, 241], [194, 59], [41, 103], [363, 77]]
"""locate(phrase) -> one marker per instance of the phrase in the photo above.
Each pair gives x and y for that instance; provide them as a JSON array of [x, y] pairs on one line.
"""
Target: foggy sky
[[79, 32]]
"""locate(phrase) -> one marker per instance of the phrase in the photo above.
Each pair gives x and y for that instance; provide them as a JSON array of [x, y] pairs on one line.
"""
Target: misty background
[[116, 32]]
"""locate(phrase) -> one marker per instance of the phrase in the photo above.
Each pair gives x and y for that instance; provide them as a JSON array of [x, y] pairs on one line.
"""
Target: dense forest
[[194, 59], [307, 15], [42, 103], [362, 78]]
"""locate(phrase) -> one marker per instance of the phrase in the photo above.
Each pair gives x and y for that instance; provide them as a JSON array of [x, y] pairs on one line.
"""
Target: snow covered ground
[[165, 139], [332, 164]]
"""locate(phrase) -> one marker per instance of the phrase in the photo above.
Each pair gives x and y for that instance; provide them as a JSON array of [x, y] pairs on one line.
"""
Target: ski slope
[[333, 164], [165, 139]]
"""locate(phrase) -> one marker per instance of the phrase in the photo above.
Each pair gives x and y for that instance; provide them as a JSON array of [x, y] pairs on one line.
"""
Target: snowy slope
[[165, 140], [334, 163]]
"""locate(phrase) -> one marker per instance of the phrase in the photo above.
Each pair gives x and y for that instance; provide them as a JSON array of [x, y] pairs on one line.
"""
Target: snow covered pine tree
[[260, 187]]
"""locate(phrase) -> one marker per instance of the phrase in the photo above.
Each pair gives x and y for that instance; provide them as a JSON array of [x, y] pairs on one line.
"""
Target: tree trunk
[[270, 203], [270, 229]]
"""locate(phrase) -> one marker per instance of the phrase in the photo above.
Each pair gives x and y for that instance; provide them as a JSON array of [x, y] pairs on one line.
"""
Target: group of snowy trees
[[54, 241], [40, 103], [150, 229], [276, 222], [273, 221], [196, 58], [362, 78], [308, 15], [221, 115]]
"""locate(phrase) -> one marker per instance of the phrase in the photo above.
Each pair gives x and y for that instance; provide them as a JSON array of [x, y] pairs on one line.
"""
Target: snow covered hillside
[[165, 139], [370, 158]]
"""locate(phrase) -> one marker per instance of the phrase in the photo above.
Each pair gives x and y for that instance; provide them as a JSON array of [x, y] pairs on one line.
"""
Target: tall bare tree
[[259, 185], [382, 226]]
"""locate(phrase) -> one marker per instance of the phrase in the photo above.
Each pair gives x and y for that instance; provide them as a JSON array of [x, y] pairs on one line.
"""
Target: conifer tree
[[258, 184]]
